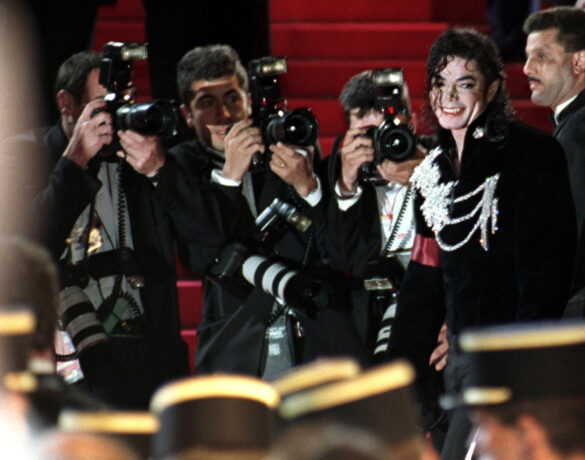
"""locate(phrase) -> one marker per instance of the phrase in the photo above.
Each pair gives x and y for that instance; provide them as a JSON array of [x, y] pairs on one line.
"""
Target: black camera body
[[151, 118], [394, 139], [270, 112]]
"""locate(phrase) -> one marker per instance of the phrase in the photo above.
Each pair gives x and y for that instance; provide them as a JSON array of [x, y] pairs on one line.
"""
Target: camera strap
[[396, 225], [278, 350]]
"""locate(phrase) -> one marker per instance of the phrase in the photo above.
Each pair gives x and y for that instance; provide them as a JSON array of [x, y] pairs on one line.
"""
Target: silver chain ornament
[[437, 198]]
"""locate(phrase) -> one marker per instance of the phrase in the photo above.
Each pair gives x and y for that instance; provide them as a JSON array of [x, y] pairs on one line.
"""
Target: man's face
[[93, 90], [549, 69], [459, 94], [216, 105], [372, 117], [496, 441]]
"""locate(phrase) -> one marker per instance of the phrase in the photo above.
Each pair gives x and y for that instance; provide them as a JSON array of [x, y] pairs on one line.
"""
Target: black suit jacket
[[524, 274], [569, 132], [231, 335]]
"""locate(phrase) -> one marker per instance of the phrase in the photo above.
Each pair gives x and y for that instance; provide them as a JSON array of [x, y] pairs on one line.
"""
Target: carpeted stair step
[[189, 336], [326, 78], [460, 12], [354, 40], [190, 302], [350, 10]]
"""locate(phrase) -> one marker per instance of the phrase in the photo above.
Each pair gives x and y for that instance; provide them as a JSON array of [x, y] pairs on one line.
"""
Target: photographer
[[371, 215], [214, 90], [111, 218]]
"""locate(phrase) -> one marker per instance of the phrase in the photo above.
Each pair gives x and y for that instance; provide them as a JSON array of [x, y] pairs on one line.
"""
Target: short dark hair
[[28, 276], [569, 21], [210, 62], [358, 93], [72, 74], [563, 419], [471, 45]]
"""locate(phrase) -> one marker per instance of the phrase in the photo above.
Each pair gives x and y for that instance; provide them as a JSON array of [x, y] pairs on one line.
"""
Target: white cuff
[[314, 197], [217, 177], [345, 200]]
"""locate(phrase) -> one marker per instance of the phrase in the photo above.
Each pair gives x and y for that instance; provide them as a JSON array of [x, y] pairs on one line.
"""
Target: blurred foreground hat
[[17, 325], [380, 400], [134, 429], [223, 412], [522, 362], [315, 374]]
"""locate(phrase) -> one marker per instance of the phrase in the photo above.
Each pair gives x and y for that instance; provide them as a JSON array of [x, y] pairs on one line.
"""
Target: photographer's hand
[[401, 172], [92, 131], [144, 153], [294, 166], [241, 143], [356, 149], [438, 357]]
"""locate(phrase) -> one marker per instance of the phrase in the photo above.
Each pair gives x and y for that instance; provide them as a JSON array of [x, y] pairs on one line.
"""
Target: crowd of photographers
[[392, 245]]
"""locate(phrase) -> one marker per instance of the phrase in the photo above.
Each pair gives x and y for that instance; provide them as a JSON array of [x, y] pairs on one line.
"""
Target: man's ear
[[492, 90], [579, 62], [66, 104], [186, 115]]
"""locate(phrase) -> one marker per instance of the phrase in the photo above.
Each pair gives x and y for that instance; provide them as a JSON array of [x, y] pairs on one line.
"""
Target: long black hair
[[471, 45]]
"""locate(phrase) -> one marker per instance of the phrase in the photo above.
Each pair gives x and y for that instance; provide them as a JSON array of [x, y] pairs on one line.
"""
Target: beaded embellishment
[[438, 198]]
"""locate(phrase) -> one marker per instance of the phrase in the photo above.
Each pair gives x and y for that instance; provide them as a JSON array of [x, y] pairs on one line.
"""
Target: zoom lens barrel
[[395, 142], [299, 127], [281, 282], [153, 118], [79, 319]]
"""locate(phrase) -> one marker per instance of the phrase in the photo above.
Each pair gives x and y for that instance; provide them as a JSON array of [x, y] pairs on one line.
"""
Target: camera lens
[[396, 143], [153, 118], [299, 127]]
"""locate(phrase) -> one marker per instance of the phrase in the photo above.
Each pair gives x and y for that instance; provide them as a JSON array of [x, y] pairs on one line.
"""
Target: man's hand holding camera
[[241, 143], [401, 171], [144, 153], [294, 166], [356, 149], [92, 131]]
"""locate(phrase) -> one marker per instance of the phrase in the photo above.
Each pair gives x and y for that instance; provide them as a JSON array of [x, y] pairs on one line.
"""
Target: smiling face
[[549, 69], [459, 95], [215, 105]]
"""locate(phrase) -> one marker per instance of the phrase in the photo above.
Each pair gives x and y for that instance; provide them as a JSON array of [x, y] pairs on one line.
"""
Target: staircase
[[326, 42]]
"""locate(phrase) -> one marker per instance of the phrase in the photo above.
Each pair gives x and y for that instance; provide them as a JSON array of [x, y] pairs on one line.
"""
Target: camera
[[394, 139], [269, 109], [239, 268], [79, 319], [151, 118], [384, 274], [279, 209]]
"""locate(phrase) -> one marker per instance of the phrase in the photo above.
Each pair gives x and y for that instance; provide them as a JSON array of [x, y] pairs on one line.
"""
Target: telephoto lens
[[299, 127], [395, 142], [79, 319], [282, 282], [153, 118]]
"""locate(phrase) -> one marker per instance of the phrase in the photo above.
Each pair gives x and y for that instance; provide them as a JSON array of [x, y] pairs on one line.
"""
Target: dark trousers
[[456, 376]]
